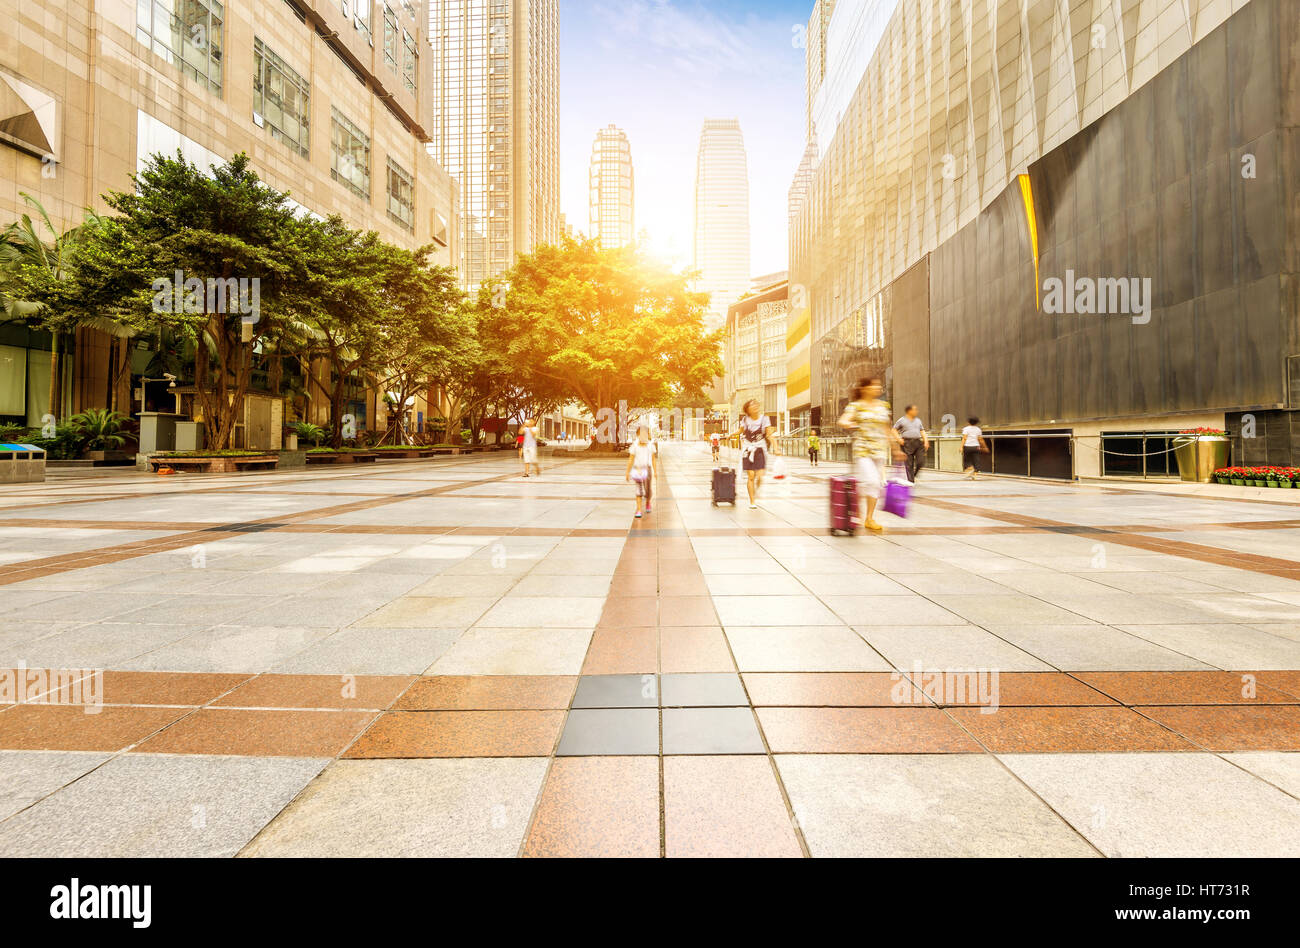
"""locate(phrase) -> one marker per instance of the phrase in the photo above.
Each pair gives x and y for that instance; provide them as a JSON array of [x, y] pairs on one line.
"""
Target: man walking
[[916, 442]]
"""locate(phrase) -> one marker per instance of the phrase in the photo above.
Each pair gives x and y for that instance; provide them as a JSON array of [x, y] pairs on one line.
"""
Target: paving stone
[[620, 733], [1164, 805], [725, 807], [145, 805], [702, 691], [28, 776], [921, 806], [617, 691], [408, 808], [711, 731]]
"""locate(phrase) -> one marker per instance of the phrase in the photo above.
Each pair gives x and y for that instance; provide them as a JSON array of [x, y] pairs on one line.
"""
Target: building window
[[390, 39], [439, 230], [349, 155], [401, 196], [186, 33], [359, 12], [410, 59], [281, 99]]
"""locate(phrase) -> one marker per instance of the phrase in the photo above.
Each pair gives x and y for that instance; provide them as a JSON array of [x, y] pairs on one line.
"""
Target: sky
[[658, 69]]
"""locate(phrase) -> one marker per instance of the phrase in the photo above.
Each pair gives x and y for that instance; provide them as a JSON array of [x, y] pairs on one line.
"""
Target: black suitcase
[[724, 486]]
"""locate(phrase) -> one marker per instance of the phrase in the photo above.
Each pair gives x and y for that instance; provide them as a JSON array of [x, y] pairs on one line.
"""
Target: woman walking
[[528, 447], [972, 446], [755, 442], [874, 440], [641, 469]]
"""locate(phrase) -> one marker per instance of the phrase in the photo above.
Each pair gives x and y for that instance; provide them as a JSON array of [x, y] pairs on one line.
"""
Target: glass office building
[[496, 131], [613, 194], [722, 216]]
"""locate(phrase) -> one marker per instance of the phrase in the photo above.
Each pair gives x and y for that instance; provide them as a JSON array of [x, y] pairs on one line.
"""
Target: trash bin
[[21, 464]]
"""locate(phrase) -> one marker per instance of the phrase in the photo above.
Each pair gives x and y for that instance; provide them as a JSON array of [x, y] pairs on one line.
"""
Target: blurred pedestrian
[[972, 446], [916, 441], [756, 432], [528, 447], [874, 440], [641, 469]]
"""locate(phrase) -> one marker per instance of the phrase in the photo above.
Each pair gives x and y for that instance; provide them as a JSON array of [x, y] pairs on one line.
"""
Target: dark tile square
[[625, 732], [702, 691], [711, 731], [617, 691]]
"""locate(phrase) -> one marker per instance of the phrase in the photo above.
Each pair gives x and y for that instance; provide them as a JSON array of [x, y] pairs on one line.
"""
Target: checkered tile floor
[[441, 658]]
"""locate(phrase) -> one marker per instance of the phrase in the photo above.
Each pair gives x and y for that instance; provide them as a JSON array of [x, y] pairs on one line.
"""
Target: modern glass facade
[[721, 248], [496, 78], [613, 193], [1139, 144]]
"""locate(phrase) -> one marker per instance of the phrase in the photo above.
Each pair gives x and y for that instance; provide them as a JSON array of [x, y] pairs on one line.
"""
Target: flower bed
[[1282, 477], [215, 462]]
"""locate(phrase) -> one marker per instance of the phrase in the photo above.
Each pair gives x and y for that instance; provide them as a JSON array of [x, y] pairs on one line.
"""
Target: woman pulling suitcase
[[874, 439]]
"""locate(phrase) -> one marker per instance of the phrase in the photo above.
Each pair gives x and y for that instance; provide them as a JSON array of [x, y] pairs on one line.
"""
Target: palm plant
[[29, 260], [101, 428], [306, 431]]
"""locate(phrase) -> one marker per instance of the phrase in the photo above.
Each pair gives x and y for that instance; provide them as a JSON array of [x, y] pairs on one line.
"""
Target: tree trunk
[[56, 389]]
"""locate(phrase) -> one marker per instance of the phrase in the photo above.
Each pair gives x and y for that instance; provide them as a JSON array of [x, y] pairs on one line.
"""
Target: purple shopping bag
[[898, 496]]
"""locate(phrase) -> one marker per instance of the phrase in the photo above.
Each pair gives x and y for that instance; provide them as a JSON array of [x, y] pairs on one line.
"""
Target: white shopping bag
[[781, 480]]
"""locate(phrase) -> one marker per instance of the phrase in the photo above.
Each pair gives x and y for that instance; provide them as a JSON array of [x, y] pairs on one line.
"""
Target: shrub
[[100, 429], [66, 445], [306, 431]]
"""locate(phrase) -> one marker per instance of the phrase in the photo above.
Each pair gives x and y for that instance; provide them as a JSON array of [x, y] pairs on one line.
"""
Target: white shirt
[[530, 438], [643, 455], [971, 435]]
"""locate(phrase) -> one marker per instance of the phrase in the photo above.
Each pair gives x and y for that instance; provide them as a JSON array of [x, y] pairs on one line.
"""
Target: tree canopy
[[604, 326]]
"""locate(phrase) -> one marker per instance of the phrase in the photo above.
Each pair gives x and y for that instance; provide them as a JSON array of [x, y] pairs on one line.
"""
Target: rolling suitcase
[[724, 486], [844, 505]]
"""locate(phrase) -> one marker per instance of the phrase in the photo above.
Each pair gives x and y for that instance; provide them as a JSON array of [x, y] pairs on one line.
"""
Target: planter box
[[1200, 457], [21, 464], [258, 462], [109, 458], [341, 458]]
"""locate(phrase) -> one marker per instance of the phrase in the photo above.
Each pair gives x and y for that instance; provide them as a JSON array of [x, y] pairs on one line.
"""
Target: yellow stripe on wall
[[797, 332]]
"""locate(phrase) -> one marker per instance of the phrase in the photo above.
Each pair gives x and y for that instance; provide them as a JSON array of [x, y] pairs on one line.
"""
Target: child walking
[[641, 468]]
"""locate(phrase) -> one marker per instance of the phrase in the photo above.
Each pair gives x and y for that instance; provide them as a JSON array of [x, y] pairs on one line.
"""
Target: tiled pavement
[[440, 658]]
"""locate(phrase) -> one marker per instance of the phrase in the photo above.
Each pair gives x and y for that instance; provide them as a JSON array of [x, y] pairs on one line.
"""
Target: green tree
[[430, 328], [217, 227], [339, 306], [606, 326], [36, 268]]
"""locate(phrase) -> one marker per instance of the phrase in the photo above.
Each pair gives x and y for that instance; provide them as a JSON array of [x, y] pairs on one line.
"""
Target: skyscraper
[[612, 188], [722, 216], [497, 128]]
